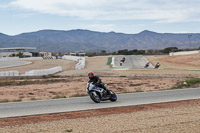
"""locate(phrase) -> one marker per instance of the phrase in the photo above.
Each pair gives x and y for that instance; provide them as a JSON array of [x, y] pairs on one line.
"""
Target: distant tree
[[114, 53], [123, 52], [12, 55], [133, 52], [20, 55], [141, 52], [35, 54], [91, 54], [170, 49], [103, 51]]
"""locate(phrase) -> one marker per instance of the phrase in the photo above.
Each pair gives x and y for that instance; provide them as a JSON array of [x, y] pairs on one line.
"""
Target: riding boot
[[108, 92]]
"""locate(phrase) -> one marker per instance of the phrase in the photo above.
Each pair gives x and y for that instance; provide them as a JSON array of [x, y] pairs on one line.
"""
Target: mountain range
[[92, 41]]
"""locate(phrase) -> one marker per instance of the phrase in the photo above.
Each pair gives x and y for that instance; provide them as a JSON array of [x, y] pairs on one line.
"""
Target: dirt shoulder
[[177, 62], [183, 116]]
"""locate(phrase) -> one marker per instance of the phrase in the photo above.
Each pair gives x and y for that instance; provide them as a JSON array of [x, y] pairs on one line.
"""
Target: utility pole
[[189, 36], [156, 45], [58, 48], [39, 46]]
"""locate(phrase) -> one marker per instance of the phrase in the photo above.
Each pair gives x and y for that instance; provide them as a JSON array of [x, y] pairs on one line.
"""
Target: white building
[[6, 52]]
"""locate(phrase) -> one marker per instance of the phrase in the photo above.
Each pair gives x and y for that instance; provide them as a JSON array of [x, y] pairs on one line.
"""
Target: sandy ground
[[75, 86], [170, 66], [175, 66], [177, 62], [94, 64], [182, 118]]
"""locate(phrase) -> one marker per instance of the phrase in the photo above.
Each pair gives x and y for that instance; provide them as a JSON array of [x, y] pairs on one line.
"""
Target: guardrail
[[184, 53], [8, 58], [33, 72], [80, 60], [9, 73], [44, 71], [29, 58]]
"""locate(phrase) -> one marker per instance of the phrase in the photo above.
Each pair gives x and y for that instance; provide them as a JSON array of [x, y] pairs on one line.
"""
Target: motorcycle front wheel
[[95, 97], [113, 96]]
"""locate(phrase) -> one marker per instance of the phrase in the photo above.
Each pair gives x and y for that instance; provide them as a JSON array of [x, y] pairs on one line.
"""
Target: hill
[[90, 41]]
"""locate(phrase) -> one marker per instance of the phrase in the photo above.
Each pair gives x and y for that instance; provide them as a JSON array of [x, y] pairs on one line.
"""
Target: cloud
[[4, 6], [161, 11]]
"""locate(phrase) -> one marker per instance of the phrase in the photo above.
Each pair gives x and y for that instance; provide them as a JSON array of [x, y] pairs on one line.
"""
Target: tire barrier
[[80, 60], [17, 58], [48, 58], [9, 73], [44, 71], [31, 58]]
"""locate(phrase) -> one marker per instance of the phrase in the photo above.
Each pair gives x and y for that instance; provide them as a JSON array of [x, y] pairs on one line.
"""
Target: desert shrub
[[58, 96], [79, 95], [139, 90], [17, 100], [187, 83], [4, 100]]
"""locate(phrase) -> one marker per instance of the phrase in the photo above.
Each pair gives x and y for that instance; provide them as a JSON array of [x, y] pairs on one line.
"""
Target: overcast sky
[[124, 16]]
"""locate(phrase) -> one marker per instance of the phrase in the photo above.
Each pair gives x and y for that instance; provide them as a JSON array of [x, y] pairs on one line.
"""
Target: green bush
[[109, 60], [187, 83]]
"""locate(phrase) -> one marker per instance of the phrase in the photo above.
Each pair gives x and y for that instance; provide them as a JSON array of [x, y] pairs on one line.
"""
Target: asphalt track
[[131, 61], [5, 64], [17, 109]]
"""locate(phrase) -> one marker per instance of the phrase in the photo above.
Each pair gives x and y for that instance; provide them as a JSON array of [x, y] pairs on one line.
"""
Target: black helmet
[[90, 74]]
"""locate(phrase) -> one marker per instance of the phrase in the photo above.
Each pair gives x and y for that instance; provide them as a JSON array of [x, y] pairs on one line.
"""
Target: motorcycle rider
[[147, 65], [157, 65], [96, 81]]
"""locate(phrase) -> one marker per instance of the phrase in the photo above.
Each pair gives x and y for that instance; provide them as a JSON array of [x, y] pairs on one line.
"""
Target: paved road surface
[[85, 103], [5, 64], [132, 61]]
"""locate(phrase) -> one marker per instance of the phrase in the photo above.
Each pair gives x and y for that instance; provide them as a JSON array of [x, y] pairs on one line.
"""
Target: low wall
[[8, 58], [33, 72], [44, 71], [80, 60], [29, 58], [113, 62], [80, 64], [9, 73], [184, 53]]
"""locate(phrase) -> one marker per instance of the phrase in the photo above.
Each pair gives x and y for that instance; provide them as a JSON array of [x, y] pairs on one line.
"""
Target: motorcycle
[[157, 66], [98, 94], [146, 65]]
